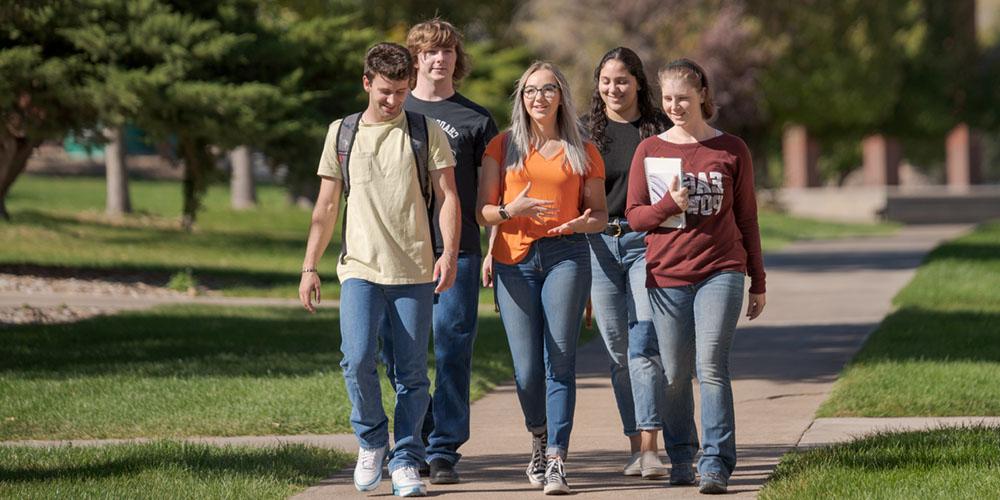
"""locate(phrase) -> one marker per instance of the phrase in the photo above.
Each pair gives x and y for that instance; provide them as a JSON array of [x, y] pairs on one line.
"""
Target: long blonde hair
[[519, 144]]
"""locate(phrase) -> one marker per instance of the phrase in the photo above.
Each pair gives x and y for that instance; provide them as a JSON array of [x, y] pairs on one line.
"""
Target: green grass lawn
[[941, 463], [194, 371], [778, 230], [58, 223], [163, 470], [938, 354]]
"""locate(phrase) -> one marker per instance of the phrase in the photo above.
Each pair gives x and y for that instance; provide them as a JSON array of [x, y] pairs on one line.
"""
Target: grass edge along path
[[164, 469], [938, 353], [941, 463]]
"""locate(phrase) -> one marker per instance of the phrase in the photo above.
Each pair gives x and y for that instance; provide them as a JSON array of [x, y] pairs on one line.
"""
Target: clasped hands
[[538, 210]]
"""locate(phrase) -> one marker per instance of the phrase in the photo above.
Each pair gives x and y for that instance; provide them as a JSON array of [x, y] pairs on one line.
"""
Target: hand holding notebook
[[661, 173]]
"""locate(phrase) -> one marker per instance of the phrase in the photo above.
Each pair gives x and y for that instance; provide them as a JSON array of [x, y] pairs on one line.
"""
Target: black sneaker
[[682, 474], [443, 472], [424, 469], [536, 467], [555, 478]]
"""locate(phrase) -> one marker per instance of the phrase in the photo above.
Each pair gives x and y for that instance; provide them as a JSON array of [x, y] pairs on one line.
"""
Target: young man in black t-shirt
[[441, 62]]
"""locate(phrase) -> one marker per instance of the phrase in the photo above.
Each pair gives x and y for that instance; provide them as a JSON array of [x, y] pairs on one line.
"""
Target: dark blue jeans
[[541, 303], [456, 319]]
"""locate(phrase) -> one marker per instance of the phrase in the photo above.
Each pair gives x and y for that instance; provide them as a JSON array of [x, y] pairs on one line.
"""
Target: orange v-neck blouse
[[550, 179]]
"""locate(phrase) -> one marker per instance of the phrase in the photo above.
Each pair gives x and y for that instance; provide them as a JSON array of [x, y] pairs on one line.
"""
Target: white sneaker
[[651, 466], [634, 467], [406, 482], [555, 478], [368, 471]]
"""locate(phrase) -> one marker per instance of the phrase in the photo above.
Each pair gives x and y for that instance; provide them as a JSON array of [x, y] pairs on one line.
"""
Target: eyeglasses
[[548, 91]]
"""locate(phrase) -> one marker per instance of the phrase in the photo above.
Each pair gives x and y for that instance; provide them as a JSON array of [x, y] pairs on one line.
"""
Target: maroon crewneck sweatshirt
[[721, 232]]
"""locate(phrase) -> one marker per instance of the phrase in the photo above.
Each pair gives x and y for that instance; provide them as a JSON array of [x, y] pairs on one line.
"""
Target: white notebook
[[660, 174]]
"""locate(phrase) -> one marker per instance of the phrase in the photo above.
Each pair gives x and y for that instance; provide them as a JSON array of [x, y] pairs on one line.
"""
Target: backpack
[[416, 125]]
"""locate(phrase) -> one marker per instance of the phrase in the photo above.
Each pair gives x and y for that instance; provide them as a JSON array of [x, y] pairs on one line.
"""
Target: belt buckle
[[618, 230]]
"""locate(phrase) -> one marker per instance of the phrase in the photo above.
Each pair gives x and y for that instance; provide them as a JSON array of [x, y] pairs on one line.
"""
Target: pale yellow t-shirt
[[388, 234]]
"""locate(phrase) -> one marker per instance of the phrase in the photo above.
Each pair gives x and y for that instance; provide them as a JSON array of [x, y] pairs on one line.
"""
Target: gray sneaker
[[634, 467], [712, 483], [681, 474], [651, 466]]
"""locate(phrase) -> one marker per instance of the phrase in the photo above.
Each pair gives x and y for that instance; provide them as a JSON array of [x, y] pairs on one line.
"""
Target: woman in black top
[[622, 114]]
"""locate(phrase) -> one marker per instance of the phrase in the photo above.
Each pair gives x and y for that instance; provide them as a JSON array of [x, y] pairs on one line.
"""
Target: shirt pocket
[[360, 168]]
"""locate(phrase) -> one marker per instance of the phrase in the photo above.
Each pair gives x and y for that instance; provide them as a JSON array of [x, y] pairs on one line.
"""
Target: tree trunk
[[197, 163], [116, 173], [302, 192], [243, 191], [14, 153]]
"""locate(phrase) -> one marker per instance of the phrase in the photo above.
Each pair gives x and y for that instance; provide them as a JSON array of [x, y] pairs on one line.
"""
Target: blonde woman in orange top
[[543, 187]]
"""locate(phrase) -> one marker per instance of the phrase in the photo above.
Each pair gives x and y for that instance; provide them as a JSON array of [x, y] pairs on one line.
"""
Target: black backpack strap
[[345, 141], [417, 125]]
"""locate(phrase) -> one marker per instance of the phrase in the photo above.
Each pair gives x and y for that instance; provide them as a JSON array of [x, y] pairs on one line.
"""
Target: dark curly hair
[[651, 120], [391, 60]]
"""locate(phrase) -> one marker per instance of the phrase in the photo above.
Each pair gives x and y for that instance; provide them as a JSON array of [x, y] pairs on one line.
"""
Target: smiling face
[[618, 89], [682, 102], [386, 97], [436, 63], [541, 96]]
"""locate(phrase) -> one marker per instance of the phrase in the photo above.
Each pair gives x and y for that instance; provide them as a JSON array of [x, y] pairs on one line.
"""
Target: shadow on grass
[[294, 464], [139, 235], [966, 251], [196, 341], [912, 333], [214, 278]]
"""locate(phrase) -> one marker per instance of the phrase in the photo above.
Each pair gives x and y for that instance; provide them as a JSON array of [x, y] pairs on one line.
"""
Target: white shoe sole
[[557, 490], [657, 473], [409, 491]]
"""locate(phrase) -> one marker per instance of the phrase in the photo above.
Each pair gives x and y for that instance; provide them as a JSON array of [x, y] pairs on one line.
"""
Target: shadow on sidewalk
[[593, 471]]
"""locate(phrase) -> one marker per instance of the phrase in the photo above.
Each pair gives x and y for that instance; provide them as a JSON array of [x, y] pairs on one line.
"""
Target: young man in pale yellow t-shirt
[[388, 268]]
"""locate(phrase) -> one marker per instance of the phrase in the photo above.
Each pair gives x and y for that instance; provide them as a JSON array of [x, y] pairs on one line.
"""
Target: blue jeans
[[541, 303], [456, 319], [695, 325], [625, 319], [363, 304]]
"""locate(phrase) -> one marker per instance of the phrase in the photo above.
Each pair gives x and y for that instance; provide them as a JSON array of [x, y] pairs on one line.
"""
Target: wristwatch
[[504, 214]]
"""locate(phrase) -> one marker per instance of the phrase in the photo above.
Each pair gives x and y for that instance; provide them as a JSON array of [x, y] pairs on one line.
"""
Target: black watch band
[[502, 210]]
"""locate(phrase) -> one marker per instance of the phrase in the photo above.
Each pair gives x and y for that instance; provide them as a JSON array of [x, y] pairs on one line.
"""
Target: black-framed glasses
[[548, 91]]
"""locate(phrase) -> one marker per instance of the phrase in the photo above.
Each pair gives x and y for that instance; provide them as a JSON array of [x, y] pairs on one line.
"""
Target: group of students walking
[[572, 218]]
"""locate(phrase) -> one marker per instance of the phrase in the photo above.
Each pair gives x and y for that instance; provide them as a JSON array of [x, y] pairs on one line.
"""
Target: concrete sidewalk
[[824, 298]]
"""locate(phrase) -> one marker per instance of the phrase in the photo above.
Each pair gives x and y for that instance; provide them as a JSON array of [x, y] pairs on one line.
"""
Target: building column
[[964, 157], [800, 154], [882, 156]]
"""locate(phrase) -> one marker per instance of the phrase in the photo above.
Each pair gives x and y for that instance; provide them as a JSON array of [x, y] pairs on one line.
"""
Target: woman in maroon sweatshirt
[[695, 273]]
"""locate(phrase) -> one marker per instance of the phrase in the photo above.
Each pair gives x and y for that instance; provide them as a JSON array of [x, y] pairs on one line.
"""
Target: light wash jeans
[[625, 320], [363, 305], [695, 325], [541, 303], [456, 318]]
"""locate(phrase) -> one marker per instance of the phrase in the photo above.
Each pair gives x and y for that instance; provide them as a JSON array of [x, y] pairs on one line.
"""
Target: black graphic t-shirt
[[469, 128]]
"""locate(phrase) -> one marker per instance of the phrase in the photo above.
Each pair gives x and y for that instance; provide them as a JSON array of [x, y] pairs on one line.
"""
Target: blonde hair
[[438, 33], [566, 119], [691, 73]]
